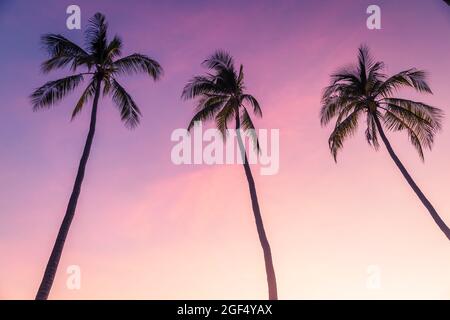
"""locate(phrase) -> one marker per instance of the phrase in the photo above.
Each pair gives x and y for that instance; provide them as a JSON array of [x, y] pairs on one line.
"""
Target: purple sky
[[136, 206]]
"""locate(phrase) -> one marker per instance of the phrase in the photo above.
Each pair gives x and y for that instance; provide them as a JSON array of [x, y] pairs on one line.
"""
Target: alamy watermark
[[73, 21], [210, 147], [374, 20], [373, 280], [73, 281]]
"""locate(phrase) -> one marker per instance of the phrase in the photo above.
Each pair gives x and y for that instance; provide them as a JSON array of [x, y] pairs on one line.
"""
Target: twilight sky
[[147, 229]]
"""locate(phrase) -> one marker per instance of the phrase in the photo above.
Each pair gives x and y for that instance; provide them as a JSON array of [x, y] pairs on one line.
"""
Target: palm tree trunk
[[270, 271], [445, 229], [52, 265]]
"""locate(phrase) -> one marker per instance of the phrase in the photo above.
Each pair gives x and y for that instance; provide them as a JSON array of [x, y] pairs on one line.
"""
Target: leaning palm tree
[[364, 90], [222, 97], [102, 66]]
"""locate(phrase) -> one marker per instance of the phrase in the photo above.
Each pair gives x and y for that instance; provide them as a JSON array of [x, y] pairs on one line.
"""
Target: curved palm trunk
[[55, 256], [445, 229], [270, 272]]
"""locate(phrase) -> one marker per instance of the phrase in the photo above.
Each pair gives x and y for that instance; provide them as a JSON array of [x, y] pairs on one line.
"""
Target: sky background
[[147, 229]]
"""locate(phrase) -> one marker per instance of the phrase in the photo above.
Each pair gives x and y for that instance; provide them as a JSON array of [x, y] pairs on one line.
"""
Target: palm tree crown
[[99, 60], [222, 95], [365, 90]]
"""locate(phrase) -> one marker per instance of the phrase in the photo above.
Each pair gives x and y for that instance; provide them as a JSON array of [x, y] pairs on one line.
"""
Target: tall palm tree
[[222, 97], [102, 66], [364, 90]]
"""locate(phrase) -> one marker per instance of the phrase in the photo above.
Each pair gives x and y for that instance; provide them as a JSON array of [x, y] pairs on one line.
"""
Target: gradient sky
[[147, 229]]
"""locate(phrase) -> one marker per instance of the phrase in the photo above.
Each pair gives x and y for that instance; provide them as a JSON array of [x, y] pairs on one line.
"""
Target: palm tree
[[101, 65], [222, 97], [365, 90]]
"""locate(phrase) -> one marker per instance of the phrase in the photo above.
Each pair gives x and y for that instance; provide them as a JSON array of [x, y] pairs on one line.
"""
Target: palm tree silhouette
[[364, 90], [102, 67], [222, 96]]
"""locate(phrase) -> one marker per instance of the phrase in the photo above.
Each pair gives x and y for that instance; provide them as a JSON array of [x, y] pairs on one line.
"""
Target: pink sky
[[147, 229]]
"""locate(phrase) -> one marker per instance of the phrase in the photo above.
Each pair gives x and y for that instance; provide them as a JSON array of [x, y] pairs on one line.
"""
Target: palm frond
[[343, 130], [53, 91], [62, 52], [375, 71], [412, 78], [199, 85], [87, 94], [369, 70], [114, 49], [129, 111], [346, 75], [224, 116], [241, 75], [96, 36], [364, 63], [249, 128], [219, 61], [207, 108], [334, 105], [417, 138], [412, 117], [375, 77], [254, 103], [137, 63], [224, 77], [419, 111], [330, 108], [372, 131], [106, 85]]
